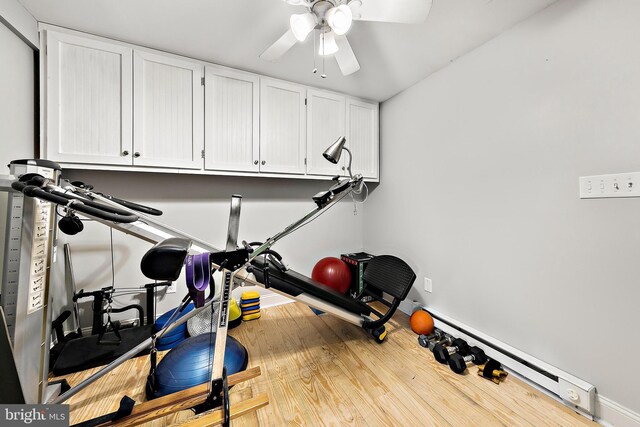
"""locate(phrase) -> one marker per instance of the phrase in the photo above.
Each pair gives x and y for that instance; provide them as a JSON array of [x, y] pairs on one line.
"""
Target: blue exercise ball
[[162, 320], [189, 363], [177, 334]]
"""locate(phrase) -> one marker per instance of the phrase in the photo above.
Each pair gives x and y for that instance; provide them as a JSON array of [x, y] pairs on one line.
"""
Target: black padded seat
[[389, 274], [165, 259], [294, 283]]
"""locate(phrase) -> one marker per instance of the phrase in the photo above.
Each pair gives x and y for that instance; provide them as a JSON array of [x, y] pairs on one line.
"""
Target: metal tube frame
[[153, 231]]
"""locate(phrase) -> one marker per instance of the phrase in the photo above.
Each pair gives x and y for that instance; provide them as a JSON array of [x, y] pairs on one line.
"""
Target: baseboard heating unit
[[574, 392]]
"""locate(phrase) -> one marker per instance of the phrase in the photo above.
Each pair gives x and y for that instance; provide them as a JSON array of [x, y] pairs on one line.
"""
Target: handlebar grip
[[18, 186], [91, 203], [108, 216], [34, 179], [85, 206], [135, 206], [78, 295]]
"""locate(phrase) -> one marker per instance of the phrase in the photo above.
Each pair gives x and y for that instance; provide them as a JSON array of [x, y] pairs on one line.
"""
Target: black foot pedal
[[219, 397]]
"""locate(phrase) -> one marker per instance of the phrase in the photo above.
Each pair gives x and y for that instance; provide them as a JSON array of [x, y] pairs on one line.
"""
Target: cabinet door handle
[[136, 154], [263, 162], [255, 162], [125, 153]]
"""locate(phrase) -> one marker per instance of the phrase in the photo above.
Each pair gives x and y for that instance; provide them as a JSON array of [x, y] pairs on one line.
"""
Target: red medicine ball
[[332, 272]]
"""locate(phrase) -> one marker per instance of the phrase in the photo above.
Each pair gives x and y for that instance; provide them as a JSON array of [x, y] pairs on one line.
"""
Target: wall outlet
[[172, 288], [609, 186], [582, 396], [428, 285]]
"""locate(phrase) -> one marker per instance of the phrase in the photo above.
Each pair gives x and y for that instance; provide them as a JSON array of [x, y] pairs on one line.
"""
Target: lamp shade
[[339, 19], [302, 24], [334, 151], [328, 45]]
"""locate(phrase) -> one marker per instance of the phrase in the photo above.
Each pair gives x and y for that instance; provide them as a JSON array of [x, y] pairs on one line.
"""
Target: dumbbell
[[442, 352], [492, 370], [428, 341], [458, 362]]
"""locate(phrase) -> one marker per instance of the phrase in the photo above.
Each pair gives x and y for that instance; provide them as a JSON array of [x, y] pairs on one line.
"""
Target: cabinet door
[[232, 123], [325, 124], [88, 100], [363, 137], [168, 112], [282, 127]]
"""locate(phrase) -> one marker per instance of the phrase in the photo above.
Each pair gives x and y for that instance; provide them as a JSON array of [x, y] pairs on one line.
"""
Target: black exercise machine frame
[[101, 295], [110, 212]]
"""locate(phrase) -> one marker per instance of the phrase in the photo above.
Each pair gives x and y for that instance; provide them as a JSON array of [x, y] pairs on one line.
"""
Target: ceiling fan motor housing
[[320, 9]]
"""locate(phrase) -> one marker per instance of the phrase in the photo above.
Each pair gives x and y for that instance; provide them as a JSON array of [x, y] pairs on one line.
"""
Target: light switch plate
[[610, 186], [428, 285]]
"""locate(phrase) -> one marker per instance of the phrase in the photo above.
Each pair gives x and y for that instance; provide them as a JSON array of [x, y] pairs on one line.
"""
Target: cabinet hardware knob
[[264, 162], [255, 162], [343, 168], [136, 154], [125, 153]]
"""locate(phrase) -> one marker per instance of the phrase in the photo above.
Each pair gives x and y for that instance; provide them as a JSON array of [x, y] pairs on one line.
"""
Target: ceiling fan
[[333, 18]]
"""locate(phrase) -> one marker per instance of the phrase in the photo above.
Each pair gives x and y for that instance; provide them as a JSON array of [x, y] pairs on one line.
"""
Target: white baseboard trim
[[610, 413], [272, 299], [267, 298], [602, 409]]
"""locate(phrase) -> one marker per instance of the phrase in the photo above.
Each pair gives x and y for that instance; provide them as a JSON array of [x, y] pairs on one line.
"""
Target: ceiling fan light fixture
[[328, 45], [339, 19], [302, 24]]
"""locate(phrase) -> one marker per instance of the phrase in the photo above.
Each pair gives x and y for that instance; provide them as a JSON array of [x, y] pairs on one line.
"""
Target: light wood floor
[[318, 370]]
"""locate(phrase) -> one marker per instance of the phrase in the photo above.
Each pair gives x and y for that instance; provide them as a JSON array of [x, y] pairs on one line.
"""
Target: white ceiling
[[234, 33]]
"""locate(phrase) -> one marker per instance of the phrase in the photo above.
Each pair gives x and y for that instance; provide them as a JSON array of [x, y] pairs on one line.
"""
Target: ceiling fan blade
[[280, 47], [345, 57], [400, 11]]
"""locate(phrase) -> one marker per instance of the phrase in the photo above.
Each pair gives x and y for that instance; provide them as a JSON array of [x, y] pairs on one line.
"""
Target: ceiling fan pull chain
[[323, 75], [315, 69]]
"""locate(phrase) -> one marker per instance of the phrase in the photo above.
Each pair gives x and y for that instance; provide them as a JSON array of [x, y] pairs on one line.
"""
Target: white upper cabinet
[[88, 109], [363, 137], [232, 125], [282, 127], [168, 111], [112, 105], [325, 124]]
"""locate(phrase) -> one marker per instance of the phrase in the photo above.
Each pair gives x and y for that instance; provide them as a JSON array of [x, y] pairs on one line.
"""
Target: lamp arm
[[350, 159]]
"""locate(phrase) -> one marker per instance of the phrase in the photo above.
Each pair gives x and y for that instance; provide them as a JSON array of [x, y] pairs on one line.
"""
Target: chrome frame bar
[[153, 231]]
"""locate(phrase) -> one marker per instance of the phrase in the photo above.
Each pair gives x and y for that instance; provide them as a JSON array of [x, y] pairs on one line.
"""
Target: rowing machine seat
[[389, 274], [392, 276]]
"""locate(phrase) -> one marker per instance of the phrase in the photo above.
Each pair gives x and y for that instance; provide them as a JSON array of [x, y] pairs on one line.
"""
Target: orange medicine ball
[[421, 322]]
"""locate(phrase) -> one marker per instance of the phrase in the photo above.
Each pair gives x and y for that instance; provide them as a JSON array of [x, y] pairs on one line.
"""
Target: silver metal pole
[[272, 240]]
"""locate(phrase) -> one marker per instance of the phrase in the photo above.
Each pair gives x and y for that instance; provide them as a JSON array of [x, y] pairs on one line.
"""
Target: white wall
[[16, 110], [199, 205], [479, 190], [15, 17]]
